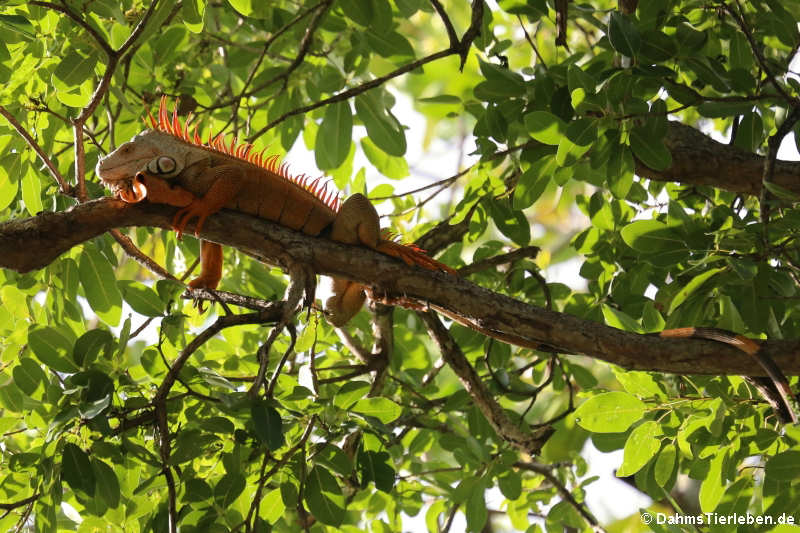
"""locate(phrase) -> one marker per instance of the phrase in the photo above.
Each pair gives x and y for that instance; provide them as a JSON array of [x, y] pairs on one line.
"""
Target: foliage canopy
[[124, 409]]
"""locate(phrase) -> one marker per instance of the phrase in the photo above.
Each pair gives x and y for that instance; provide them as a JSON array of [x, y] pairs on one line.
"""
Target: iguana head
[[153, 151]]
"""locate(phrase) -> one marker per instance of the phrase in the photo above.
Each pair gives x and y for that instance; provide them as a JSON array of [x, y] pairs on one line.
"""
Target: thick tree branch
[[33, 243], [700, 160]]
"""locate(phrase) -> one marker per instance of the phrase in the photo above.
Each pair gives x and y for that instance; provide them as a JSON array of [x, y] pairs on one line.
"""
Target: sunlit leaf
[[610, 412]]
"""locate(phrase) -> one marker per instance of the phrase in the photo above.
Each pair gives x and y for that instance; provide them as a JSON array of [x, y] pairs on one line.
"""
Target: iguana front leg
[[226, 182], [161, 191]]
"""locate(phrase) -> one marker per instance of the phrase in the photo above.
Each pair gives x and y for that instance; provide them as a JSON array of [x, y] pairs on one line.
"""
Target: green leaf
[[76, 469], [383, 409], [741, 55], [533, 182], [783, 466], [228, 489], [610, 412], [141, 298], [99, 285], [623, 34], [497, 91], [650, 150], [74, 69], [510, 484], [476, 511], [19, 25], [90, 344], [665, 465], [641, 446], [107, 483], [28, 375], [324, 497], [577, 78], [750, 133], [619, 319], [657, 46], [691, 287], [582, 131], [689, 38], [724, 109], [32, 192], [781, 192], [569, 152], [8, 188], [350, 393], [545, 127], [169, 41], [619, 170], [372, 466], [389, 44], [169, 289], [376, 14], [512, 224], [89, 410], [268, 424], [12, 398], [382, 128], [272, 507], [392, 167], [245, 7], [333, 458], [192, 12], [713, 487], [650, 236], [334, 136], [53, 347]]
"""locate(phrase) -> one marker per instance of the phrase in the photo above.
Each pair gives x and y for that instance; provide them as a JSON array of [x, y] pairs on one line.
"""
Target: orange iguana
[[168, 165]]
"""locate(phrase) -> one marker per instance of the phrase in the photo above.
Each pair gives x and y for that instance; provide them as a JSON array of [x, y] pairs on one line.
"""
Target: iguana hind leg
[[356, 223]]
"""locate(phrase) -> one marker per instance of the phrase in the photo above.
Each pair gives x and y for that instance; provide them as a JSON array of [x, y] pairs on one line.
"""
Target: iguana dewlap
[[167, 165]]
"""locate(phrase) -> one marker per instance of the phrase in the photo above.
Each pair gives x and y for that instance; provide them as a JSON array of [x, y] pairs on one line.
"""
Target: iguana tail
[[411, 255], [751, 348]]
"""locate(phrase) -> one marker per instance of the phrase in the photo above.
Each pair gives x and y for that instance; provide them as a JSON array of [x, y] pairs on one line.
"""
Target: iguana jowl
[[166, 164]]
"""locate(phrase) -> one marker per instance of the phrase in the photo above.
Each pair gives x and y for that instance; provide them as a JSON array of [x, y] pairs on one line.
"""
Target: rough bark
[[697, 159]]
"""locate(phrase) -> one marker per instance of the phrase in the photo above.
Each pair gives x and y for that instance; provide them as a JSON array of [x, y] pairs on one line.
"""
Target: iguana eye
[[161, 165]]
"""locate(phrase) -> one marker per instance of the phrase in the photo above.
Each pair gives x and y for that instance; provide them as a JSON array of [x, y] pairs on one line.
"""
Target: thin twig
[[63, 186], [460, 50], [545, 471], [533, 44], [757, 51], [448, 25]]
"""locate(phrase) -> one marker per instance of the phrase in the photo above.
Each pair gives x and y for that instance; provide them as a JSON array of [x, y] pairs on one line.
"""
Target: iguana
[[169, 165]]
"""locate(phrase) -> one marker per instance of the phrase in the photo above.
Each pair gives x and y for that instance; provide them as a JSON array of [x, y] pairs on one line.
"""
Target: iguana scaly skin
[[166, 164]]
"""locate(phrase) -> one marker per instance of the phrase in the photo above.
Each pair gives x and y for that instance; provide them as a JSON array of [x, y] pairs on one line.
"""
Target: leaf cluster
[[124, 409]]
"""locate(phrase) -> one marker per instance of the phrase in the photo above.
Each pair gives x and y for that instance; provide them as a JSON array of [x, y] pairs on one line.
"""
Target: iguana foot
[[348, 297], [185, 215]]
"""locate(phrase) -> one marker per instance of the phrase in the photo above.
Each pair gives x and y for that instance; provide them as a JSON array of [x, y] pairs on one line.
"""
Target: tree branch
[[530, 442], [32, 243], [697, 159]]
